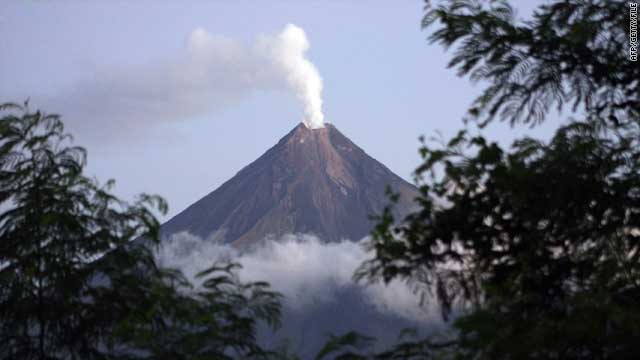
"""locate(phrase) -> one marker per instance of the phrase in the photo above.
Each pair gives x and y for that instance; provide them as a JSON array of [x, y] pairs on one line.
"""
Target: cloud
[[304, 269], [211, 74]]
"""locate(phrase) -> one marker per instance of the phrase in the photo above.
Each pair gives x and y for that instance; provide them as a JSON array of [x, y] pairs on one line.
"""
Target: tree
[[74, 285], [534, 249], [217, 321]]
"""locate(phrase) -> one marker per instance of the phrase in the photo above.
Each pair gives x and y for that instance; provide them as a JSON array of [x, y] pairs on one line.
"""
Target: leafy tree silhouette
[[73, 285], [535, 248]]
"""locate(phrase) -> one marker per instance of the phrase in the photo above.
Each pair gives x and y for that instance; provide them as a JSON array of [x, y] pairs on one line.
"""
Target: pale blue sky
[[384, 85]]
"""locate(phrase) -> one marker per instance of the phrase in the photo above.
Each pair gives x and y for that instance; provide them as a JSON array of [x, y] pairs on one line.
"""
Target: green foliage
[[74, 285], [339, 344], [355, 346], [535, 249], [571, 51], [539, 245], [215, 320]]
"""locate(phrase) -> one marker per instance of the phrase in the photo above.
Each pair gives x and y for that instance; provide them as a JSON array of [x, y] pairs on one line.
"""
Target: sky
[[109, 68]]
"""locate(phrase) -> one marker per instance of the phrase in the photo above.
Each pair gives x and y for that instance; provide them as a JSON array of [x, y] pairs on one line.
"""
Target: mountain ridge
[[312, 181]]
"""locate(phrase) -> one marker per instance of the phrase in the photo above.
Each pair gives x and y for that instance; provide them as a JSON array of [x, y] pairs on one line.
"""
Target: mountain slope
[[312, 181]]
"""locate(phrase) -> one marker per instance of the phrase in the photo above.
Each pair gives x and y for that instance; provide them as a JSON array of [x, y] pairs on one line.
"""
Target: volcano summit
[[312, 181]]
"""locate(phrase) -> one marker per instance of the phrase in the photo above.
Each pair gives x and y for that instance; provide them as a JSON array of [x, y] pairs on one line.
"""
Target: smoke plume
[[288, 51], [213, 73]]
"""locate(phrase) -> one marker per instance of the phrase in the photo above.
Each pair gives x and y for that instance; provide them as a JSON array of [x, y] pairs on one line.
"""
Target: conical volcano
[[312, 181]]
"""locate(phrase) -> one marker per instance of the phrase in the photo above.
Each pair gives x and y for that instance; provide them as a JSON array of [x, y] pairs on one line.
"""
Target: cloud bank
[[304, 269], [213, 73]]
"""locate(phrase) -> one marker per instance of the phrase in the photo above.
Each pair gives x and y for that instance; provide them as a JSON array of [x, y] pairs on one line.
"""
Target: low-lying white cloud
[[213, 72], [303, 268]]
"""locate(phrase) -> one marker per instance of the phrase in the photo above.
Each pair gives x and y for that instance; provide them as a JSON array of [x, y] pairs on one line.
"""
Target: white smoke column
[[288, 51], [212, 73]]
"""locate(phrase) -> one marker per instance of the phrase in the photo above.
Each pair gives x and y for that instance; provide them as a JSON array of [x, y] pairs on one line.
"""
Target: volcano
[[313, 181]]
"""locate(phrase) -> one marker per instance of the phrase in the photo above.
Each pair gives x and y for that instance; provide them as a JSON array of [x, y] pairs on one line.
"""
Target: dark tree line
[[74, 286], [535, 248]]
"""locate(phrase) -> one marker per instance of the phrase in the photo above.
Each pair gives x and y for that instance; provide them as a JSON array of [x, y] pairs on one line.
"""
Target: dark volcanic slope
[[312, 181]]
